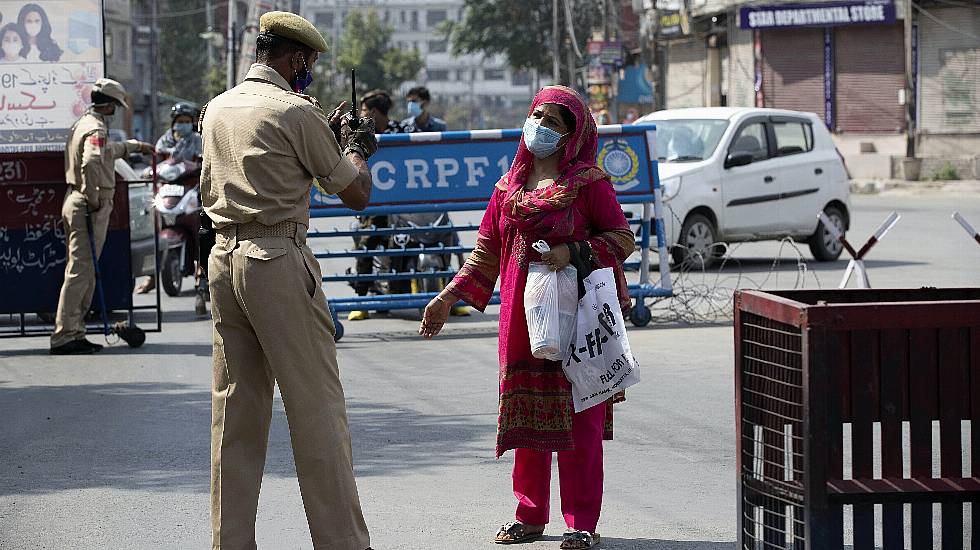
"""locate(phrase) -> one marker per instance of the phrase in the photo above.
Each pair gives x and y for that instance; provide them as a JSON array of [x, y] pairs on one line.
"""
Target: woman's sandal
[[515, 532], [579, 540]]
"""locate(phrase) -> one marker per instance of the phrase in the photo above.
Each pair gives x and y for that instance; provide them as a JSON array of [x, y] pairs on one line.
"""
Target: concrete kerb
[[874, 187]]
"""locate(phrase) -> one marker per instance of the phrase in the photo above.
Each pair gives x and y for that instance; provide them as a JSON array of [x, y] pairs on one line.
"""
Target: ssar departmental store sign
[[825, 14]]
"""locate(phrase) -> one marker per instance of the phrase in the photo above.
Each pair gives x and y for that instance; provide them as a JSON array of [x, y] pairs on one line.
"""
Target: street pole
[[554, 41], [209, 18], [154, 71], [909, 84], [230, 59]]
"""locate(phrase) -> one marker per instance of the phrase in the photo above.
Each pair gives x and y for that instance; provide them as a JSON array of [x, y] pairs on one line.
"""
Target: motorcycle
[[178, 202], [424, 260]]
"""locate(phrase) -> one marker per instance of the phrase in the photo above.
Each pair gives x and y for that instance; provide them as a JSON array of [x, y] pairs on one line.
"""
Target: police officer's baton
[[134, 336]]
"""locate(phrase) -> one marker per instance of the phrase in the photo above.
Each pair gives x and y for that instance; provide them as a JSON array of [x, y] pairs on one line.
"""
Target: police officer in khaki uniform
[[264, 144], [90, 172]]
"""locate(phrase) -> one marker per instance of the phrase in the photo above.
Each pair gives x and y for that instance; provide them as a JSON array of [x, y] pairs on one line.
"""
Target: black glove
[[360, 140], [335, 120]]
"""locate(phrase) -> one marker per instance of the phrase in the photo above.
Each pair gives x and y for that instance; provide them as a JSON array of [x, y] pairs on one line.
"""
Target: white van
[[746, 174]]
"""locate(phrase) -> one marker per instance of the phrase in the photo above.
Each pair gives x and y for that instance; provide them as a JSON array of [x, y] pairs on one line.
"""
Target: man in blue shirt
[[419, 119]]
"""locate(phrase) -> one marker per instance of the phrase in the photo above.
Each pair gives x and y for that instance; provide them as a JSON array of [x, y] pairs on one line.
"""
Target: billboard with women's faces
[[51, 53]]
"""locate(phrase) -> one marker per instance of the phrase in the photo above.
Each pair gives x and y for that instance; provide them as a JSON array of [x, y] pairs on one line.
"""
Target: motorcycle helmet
[[182, 109]]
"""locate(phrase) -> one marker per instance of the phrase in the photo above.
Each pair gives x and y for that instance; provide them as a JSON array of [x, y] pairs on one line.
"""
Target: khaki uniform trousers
[[79, 285], [272, 324]]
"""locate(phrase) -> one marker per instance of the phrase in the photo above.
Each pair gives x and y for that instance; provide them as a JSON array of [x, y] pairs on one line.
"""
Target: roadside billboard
[[52, 53]]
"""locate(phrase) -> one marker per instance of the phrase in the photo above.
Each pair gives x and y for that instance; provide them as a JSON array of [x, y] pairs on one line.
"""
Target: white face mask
[[33, 29], [11, 49]]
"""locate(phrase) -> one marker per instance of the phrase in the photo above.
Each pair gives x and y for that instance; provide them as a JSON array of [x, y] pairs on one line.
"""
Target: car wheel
[[698, 243], [823, 245], [170, 275]]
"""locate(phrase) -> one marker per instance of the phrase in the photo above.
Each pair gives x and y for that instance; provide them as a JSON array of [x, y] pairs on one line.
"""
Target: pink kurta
[[535, 397]]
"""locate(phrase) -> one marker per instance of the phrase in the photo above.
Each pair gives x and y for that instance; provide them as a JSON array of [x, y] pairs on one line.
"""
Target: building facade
[[845, 60], [486, 88]]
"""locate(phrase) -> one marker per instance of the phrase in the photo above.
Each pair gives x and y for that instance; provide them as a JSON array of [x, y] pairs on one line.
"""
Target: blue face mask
[[540, 140], [184, 128], [303, 78], [414, 108]]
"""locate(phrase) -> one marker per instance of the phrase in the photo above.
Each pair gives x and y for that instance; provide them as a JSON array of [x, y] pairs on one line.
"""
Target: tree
[[182, 53], [520, 30], [365, 45]]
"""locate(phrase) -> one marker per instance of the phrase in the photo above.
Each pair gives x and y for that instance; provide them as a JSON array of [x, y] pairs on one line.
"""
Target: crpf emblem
[[621, 162]]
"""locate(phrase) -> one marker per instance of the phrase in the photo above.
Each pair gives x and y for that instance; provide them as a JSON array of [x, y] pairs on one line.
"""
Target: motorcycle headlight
[[670, 187]]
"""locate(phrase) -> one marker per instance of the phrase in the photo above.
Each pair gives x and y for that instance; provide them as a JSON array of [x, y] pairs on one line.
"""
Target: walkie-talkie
[[355, 121]]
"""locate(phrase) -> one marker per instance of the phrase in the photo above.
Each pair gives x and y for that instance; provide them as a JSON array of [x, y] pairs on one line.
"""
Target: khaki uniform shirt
[[263, 146], [90, 157]]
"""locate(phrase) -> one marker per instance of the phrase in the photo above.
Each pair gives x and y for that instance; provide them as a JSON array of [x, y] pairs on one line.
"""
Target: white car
[[746, 174]]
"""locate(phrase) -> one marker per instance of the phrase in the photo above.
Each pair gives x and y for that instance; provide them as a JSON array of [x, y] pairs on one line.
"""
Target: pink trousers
[[579, 476]]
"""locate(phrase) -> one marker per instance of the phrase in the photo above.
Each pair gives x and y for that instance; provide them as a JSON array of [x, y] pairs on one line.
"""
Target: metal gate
[[456, 172], [33, 254]]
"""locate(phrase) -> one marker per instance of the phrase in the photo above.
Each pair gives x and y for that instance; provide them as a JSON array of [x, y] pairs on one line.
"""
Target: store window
[[792, 138], [434, 17], [493, 74], [438, 46], [438, 75], [752, 139], [520, 78]]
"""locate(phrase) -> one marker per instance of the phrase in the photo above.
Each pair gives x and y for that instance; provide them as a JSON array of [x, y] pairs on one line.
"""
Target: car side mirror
[[738, 159]]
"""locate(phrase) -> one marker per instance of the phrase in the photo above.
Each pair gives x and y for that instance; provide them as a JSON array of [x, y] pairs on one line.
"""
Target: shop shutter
[[686, 64], [792, 69], [870, 67], [949, 71]]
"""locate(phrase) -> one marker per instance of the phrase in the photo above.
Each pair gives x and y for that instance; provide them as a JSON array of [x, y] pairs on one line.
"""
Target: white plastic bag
[[600, 363], [541, 310], [550, 307]]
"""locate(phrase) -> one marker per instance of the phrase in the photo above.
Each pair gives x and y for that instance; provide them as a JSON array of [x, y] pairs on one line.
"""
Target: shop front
[[842, 60]]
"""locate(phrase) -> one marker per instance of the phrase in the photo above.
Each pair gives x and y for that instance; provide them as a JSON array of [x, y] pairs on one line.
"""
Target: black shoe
[[93, 345], [76, 347]]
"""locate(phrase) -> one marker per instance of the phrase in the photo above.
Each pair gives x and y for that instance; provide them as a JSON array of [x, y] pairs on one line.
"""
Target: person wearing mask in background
[[89, 172], [180, 143], [375, 104], [38, 28], [264, 145], [14, 40], [419, 119]]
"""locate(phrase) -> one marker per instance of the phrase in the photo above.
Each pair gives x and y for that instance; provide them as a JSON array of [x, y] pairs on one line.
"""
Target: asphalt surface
[[111, 451]]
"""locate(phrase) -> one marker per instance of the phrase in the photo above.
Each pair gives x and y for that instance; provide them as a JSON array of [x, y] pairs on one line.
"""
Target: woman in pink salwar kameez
[[556, 194]]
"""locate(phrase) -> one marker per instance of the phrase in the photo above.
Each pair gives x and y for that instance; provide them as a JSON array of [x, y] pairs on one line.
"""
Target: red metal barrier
[[810, 364]]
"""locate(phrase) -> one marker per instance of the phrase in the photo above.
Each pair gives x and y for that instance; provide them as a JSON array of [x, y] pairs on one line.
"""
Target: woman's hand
[[436, 314], [557, 257]]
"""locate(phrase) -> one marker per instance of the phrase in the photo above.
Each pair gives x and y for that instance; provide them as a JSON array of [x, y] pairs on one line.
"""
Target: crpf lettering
[[474, 169], [418, 171], [383, 183], [445, 168]]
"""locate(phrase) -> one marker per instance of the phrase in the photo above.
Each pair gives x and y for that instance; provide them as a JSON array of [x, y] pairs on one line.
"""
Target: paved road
[[111, 451]]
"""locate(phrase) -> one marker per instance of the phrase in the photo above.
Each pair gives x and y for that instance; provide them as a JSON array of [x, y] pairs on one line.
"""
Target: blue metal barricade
[[456, 172]]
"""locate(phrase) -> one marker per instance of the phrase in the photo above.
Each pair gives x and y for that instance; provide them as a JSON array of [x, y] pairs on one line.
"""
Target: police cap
[[291, 26], [111, 88]]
